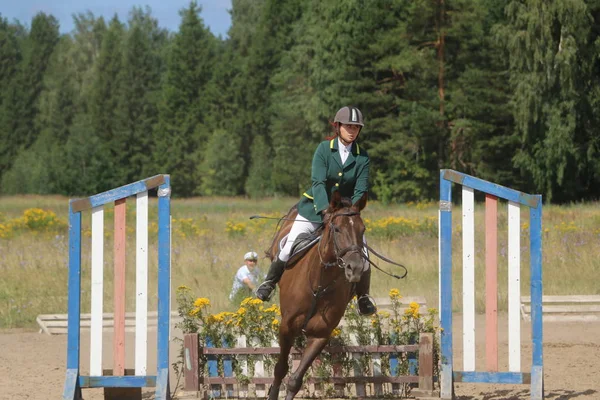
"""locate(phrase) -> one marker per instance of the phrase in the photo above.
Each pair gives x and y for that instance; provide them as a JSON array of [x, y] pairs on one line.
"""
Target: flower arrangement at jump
[[259, 324]]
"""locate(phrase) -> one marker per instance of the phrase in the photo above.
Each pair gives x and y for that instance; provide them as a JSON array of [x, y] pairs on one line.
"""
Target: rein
[[354, 248]]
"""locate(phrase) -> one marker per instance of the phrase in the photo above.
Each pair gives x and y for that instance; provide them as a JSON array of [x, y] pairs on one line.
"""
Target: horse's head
[[343, 234]]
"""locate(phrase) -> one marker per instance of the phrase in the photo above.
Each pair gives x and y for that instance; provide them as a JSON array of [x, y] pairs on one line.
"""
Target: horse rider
[[339, 163]]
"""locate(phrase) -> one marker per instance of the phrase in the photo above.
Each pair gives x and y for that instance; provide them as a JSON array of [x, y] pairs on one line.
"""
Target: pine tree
[[105, 95], [10, 58], [21, 98], [222, 167], [137, 111], [180, 136], [552, 65]]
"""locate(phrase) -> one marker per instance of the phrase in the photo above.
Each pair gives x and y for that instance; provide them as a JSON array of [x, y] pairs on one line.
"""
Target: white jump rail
[[384, 303], [57, 324], [577, 308]]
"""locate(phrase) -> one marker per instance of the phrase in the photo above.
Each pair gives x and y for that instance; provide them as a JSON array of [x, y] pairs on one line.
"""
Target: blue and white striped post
[[74, 382], [491, 375]]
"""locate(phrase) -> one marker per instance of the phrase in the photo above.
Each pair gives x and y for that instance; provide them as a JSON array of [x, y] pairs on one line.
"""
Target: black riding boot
[[266, 288], [365, 305]]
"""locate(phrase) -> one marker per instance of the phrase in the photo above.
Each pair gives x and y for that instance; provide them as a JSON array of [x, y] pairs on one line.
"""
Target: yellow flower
[[395, 294], [275, 322], [246, 301], [194, 312], [202, 302], [183, 287], [241, 311], [412, 310], [336, 332], [383, 314], [274, 309]]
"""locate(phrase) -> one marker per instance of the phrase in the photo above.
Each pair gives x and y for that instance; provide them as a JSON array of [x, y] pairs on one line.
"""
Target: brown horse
[[315, 291]]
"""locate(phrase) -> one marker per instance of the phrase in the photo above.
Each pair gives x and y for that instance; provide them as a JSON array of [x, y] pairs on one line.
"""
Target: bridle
[[340, 253]]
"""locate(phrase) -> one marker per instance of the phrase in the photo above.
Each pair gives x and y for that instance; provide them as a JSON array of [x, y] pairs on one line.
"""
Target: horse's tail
[[283, 227]]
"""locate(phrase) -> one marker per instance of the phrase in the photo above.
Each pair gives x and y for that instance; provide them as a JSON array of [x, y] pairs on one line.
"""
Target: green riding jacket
[[328, 174]]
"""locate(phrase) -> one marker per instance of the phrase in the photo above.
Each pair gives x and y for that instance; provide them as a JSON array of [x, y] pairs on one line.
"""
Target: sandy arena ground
[[32, 365]]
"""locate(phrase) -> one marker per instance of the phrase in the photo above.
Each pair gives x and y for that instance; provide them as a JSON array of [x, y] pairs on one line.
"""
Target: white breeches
[[301, 225]]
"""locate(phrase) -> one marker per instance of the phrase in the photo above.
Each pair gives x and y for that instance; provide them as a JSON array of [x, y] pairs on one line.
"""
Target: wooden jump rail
[[581, 308], [194, 382]]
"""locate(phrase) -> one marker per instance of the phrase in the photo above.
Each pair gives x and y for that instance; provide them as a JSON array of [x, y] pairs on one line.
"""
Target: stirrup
[[370, 307], [266, 286]]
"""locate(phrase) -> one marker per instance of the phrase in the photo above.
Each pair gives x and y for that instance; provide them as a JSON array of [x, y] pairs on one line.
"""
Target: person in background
[[246, 278]]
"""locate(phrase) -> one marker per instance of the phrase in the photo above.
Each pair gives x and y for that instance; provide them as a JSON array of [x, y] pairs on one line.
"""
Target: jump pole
[[490, 373], [117, 382]]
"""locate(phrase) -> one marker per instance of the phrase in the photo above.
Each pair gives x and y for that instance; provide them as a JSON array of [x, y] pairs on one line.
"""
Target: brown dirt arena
[[32, 365]]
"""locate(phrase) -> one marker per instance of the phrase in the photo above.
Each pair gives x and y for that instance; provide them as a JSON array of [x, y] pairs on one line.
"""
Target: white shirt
[[242, 273], [344, 150]]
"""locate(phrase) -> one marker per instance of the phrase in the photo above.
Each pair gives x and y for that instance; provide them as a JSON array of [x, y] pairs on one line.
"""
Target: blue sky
[[214, 12]]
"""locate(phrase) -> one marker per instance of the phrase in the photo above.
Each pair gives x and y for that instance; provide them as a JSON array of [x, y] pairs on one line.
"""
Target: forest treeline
[[506, 90]]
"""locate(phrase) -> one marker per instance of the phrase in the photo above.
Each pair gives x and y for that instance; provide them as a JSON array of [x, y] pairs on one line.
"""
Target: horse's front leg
[[313, 348], [282, 366]]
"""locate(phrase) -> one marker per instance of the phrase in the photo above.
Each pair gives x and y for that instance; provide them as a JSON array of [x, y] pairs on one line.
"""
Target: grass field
[[210, 236]]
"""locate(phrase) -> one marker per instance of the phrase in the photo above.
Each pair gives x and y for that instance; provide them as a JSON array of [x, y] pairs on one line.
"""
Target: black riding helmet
[[350, 116]]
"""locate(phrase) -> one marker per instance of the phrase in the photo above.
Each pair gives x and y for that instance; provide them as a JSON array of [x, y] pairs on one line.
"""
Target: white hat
[[251, 255]]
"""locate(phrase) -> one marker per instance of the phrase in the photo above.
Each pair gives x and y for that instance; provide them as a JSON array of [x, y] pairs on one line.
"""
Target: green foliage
[[180, 136], [553, 72], [223, 165], [504, 90]]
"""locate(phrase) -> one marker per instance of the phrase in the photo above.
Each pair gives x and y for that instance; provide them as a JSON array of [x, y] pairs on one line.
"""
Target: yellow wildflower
[[183, 287], [246, 301], [202, 302], [336, 332], [275, 322], [241, 311], [395, 294]]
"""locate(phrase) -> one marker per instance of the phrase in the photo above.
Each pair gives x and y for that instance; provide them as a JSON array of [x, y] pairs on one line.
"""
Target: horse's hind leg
[[282, 366], [312, 350]]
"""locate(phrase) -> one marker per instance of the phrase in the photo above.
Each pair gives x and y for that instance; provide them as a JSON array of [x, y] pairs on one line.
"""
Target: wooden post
[[425, 366], [190, 361], [338, 372]]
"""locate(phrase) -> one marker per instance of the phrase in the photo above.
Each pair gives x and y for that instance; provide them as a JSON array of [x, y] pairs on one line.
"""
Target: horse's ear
[[362, 202], [336, 198]]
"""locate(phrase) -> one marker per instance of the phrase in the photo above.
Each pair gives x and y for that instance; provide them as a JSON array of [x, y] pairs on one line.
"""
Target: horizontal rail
[[117, 381], [58, 323], [333, 379], [565, 299], [333, 349], [492, 377], [122, 192], [529, 200], [579, 308]]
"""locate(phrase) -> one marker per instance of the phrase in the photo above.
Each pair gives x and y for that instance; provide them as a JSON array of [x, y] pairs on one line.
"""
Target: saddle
[[303, 243]]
